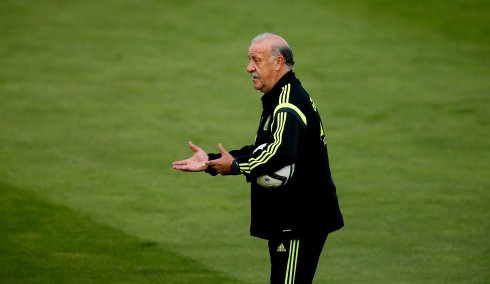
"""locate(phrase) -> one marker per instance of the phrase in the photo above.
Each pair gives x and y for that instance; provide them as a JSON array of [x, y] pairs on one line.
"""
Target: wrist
[[210, 170], [235, 169]]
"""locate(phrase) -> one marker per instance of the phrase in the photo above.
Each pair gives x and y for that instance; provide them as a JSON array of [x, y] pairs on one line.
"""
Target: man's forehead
[[258, 48]]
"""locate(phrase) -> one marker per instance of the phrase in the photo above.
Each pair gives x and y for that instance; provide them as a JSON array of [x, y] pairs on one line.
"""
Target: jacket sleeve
[[246, 150], [288, 127]]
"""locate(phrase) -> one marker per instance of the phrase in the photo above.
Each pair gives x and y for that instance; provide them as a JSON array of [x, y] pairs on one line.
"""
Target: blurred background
[[97, 98]]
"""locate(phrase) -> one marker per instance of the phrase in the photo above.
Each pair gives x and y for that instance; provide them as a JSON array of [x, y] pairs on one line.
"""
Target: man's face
[[261, 68]]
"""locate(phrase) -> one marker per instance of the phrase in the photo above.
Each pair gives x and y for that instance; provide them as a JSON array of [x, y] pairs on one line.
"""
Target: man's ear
[[279, 62]]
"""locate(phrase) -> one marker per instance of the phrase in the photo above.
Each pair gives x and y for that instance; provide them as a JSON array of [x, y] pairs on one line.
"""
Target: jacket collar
[[273, 94]]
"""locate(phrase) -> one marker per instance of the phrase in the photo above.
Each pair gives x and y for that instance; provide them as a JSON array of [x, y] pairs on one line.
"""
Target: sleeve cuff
[[235, 169]]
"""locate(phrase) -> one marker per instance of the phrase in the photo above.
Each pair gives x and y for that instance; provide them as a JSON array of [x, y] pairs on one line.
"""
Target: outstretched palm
[[196, 163]]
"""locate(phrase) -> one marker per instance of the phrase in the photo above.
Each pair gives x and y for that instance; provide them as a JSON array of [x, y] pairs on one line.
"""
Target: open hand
[[196, 163]]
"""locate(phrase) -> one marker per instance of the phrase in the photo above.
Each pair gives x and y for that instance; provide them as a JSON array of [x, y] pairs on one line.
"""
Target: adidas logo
[[281, 248]]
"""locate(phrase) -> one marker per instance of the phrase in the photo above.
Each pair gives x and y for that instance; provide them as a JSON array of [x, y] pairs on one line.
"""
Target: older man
[[296, 217]]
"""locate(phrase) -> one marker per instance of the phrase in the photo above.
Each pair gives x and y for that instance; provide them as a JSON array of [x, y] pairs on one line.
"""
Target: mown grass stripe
[[45, 242]]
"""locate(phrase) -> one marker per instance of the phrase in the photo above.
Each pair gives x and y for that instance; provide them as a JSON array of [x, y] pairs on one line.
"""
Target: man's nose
[[250, 67]]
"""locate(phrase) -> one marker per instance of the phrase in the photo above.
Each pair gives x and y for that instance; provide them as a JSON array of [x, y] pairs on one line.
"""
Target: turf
[[98, 98], [45, 242]]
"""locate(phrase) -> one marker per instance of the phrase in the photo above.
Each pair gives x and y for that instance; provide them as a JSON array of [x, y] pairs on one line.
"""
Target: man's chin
[[258, 85]]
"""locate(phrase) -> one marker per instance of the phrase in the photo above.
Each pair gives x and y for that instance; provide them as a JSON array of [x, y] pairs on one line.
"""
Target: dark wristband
[[235, 169]]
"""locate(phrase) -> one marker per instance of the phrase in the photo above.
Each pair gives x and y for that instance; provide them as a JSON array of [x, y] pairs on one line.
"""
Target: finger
[[179, 167], [193, 147], [222, 149], [178, 163]]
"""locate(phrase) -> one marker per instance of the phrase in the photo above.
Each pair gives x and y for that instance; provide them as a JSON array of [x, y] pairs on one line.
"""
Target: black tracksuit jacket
[[292, 130]]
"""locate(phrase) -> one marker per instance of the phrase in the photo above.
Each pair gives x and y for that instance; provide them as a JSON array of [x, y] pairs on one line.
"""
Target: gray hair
[[278, 49]]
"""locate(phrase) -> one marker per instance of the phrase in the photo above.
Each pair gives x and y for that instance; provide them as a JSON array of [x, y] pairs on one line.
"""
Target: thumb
[[193, 147], [222, 149]]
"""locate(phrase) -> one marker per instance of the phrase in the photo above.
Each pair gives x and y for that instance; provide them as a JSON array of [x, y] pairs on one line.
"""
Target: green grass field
[[97, 98]]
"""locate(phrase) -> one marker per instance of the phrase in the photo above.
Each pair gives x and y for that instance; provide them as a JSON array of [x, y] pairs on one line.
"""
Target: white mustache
[[254, 75]]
